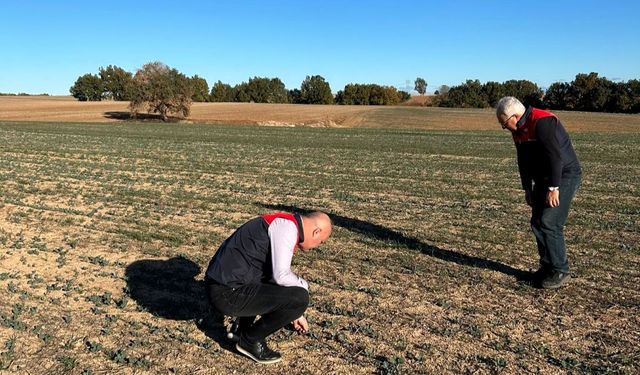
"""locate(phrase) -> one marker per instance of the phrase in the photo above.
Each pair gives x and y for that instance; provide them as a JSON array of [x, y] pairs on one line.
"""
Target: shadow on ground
[[382, 233], [126, 116], [168, 289]]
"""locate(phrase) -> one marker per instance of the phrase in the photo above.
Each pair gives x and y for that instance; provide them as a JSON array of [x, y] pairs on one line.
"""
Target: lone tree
[[116, 82], [88, 87], [421, 86], [315, 90], [162, 89]]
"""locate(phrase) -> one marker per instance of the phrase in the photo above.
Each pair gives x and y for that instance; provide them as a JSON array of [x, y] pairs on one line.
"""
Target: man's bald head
[[317, 228]]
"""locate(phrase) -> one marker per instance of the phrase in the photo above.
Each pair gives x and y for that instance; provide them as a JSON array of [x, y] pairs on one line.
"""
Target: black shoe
[[541, 274], [258, 351], [233, 334], [555, 280]]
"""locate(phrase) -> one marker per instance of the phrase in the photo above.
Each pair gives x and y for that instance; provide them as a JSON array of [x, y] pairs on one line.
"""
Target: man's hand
[[527, 197], [301, 325], [553, 198]]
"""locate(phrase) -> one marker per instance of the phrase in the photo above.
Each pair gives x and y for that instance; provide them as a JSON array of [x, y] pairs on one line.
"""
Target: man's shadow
[[168, 289], [380, 232]]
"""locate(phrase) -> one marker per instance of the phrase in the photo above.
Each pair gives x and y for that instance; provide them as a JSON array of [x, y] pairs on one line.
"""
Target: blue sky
[[47, 45]]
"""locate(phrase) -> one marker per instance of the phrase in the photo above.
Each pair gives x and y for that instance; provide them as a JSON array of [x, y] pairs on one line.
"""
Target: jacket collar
[[300, 229], [524, 117]]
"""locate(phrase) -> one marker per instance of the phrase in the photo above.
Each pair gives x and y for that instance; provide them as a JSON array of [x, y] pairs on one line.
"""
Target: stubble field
[[105, 231]]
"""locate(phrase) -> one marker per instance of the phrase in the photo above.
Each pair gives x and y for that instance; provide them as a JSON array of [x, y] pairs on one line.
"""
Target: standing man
[[550, 175], [251, 275]]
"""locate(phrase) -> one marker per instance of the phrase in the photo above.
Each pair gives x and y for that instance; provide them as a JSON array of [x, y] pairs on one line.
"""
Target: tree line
[[116, 83], [587, 92], [165, 90]]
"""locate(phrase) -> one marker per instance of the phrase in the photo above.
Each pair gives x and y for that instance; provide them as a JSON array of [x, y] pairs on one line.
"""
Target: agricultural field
[[409, 116], [106, 229]]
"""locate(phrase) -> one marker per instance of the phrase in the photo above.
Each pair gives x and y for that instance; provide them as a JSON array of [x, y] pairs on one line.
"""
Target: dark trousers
[[277, 306], [548, 224]]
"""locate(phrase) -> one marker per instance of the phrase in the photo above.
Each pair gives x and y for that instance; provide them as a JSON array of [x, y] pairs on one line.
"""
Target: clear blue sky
[[46, 45]]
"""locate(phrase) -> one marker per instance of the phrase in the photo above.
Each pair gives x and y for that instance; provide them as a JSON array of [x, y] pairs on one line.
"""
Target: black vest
[[245, 257]]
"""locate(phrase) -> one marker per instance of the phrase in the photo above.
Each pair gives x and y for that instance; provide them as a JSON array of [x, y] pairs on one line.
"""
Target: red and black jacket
[[545, 152]]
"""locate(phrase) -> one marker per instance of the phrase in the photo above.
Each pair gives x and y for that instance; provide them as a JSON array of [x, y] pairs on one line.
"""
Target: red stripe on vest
[[269, 218], [527, 132]]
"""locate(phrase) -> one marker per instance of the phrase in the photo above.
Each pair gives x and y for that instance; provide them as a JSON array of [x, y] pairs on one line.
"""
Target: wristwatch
[[553, 188]]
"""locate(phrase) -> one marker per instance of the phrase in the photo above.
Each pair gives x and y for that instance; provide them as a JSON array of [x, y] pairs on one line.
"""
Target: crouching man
[[251, 275]]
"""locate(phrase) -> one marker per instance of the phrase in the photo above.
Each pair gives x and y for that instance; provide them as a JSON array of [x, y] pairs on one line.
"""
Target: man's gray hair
[[509, 106]]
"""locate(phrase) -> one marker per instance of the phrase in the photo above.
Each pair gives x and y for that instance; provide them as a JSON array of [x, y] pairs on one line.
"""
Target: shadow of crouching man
[[168, 289], [380, 232]]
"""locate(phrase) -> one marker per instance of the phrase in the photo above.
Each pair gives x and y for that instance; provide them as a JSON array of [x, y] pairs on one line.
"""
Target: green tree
[[116, 82], [315, 90], [467, 95], [590, 92], [619, 98], [383, 95], [354, 94], [454, 98], [262, 90], [362, 94], [526, 91], [493, 91], [278, 92], [557, 95], [632, 87], [339, 99], [370, 94], [241, 93], [222, 92], [200, 89], [403, 96], [88, 87], [377, 95], [162, 90], [421, 85], [295, 96]]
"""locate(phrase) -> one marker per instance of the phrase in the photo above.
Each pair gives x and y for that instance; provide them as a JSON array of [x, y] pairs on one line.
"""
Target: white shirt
[[283, 235]]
